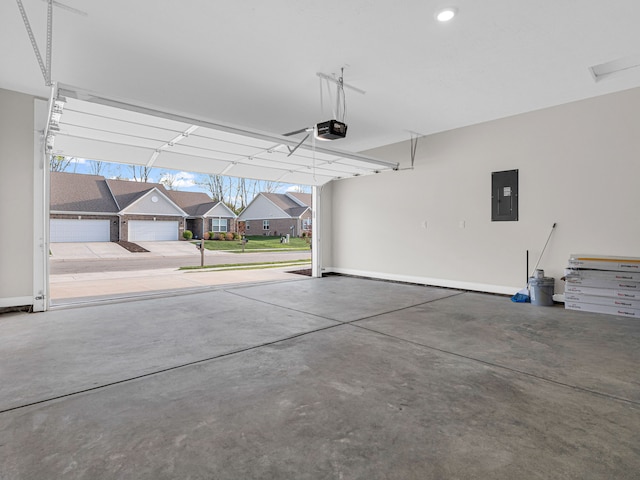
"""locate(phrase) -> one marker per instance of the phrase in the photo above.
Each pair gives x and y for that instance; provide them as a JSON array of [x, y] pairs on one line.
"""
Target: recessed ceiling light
[[446, 14]]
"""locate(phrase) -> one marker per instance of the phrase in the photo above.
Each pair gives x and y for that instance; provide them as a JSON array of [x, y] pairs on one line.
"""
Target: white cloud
[[180, 179], [297, 189]]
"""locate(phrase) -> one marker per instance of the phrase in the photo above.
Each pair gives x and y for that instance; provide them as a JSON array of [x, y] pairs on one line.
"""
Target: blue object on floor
[[521, 297]]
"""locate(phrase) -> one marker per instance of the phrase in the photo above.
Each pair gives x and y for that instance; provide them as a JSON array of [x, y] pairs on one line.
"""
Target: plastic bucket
[[541, 291]]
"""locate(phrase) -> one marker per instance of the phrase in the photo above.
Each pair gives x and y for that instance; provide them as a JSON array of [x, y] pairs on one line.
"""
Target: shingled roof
[[196, 204], [304, 198], [71, 192], [286, 204], [81, 193], [126, 192]]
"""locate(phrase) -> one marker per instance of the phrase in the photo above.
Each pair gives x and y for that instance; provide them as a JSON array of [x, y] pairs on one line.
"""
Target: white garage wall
[[16, 198], [579, 166]]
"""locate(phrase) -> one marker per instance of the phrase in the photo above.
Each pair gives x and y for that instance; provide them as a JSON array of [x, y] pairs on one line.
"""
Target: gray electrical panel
[[504, 196]]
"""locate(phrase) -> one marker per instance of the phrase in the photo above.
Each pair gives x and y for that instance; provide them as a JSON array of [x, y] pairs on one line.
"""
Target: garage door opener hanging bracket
[[45, 66]]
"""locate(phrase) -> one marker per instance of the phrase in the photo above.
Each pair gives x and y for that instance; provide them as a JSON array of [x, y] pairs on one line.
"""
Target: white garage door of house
[[150, 231], [63, 230]]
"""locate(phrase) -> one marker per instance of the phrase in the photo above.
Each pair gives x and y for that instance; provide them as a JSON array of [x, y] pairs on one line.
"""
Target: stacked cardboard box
[[599, 284]]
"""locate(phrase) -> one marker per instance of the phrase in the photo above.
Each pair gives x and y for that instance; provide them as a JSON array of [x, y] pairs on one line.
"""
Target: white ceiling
[[254, 62]]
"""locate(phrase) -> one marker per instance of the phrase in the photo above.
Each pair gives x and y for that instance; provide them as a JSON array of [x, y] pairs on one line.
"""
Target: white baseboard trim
[[435, 282], [15, 302]]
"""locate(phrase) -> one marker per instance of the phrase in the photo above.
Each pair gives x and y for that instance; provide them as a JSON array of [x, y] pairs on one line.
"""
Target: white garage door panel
[[63, 230], [150, 231], [106, 128]]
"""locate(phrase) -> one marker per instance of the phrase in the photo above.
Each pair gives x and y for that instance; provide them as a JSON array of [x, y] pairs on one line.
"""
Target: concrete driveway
[[87, 250], [80, 288], [113, 250]]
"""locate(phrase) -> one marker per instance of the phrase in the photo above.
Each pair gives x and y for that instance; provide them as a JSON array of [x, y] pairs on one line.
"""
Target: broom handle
[[543, 249]]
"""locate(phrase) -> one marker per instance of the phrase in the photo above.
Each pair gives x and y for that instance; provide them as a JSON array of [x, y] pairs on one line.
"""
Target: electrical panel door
[[504, 196]]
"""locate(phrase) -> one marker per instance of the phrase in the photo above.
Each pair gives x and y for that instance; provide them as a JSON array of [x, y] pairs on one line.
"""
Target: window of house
[[265, 224], [306, 224], [219, 224]]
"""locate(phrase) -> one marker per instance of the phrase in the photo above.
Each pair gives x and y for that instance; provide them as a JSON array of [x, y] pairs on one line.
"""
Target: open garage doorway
[[83, 125], [117, 235]]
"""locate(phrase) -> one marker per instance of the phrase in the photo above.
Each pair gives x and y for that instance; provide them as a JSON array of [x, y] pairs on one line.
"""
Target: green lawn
[[257, 243]]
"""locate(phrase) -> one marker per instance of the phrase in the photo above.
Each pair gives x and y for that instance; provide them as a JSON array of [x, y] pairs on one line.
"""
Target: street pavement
[[69, 258], [96, 271]]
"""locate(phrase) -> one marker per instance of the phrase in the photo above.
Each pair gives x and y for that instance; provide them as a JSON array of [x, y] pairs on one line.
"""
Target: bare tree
[[140, 174], [241, 194], [219, 187], [97, 167], [118, 173], [253, 188], [236, 193], [59, 163], [268, 186], [247, 189], [169, 180]]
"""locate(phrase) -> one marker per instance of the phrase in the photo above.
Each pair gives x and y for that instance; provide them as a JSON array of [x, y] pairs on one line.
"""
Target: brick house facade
[[278, 214], [279, 226], [76, 199]]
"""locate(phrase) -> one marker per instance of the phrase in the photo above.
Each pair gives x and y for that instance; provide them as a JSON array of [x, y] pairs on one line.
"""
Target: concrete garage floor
[[332, 378]]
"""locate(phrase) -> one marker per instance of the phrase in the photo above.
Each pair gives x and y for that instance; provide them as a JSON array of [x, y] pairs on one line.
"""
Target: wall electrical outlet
[[461, 224]]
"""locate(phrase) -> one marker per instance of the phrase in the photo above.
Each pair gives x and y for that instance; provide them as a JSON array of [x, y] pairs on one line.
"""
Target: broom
[[522, 296]]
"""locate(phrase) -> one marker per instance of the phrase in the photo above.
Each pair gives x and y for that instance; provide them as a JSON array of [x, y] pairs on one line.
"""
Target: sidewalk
[[73, 288]]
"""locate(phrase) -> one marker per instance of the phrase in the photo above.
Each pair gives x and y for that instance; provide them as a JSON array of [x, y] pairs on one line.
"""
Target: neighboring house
[[82, 209], [278, 214], [146, 212], [90, 208], [204, 215]]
